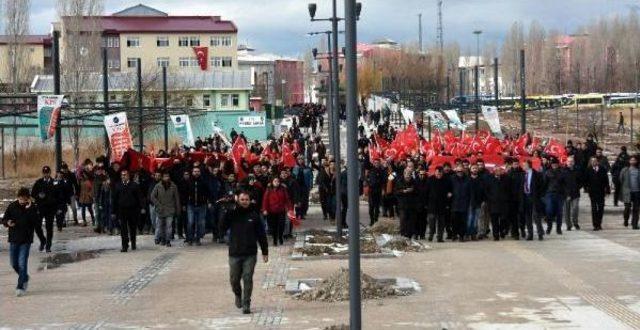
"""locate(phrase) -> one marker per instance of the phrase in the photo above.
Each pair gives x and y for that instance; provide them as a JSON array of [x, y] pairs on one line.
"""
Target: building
[[275, 79], [486, 85], [37, 61], [159, 39]]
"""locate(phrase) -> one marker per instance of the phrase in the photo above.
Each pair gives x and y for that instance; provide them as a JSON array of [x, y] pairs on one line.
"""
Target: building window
[[133, 42], [162, 42], [216, 62], [112, 97], [183, 62], [215, 41], [226, 41], [132, 62], [235, 100], [194, 41], [163, 62], [224, 100], [183, 42], [194, 61], [226, 62], [206, 100], [189, 101], [112, 42], [113, 64]]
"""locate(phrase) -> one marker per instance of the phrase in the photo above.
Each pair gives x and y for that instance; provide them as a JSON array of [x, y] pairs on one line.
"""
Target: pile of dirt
[[403, 244], [319, 232], [325, 239], [336, 288], [315, 250], [385, 226], [369, 246]]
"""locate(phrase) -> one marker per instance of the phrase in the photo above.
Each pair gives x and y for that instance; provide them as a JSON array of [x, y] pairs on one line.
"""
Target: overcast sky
[[279, 26]]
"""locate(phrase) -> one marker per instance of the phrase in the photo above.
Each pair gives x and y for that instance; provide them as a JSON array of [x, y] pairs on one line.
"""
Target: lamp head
[[312, 10]]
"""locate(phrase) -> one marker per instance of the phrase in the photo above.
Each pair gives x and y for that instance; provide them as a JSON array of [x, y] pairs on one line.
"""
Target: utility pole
[[336, 114], [355, 304], [496, 90], [523, 97], [140, 127], [56, 91], [420, 32], [477, 96], [105, 94], [165, 109]]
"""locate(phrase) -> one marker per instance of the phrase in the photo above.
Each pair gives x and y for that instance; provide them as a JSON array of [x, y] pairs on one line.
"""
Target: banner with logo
[[182, 124], [437, 120], [48, 114], [251, 121], [454, 119], [117, 128], [202, 54], [492, 118]]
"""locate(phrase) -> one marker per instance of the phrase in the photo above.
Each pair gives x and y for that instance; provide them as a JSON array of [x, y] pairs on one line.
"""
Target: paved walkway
[[582, 279]]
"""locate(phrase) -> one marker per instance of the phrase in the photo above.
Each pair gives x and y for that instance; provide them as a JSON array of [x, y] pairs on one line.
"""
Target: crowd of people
[[197, 190]]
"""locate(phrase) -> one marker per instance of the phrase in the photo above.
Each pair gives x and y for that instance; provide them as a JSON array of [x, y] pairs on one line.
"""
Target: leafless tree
[[16, 26], [81, 40]]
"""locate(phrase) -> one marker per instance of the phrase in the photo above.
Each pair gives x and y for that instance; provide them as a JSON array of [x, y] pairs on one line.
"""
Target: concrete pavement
[[582, 279]]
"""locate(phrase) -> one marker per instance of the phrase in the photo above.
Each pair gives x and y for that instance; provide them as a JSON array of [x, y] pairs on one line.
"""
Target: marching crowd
[[196, 190]]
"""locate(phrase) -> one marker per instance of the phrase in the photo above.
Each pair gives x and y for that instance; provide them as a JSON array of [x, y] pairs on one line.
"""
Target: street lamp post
[[283, 83], [336, 103], [477, 78]]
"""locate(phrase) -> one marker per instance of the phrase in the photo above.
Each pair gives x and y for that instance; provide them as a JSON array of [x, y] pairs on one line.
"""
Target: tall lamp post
[[477, 77], [334, 19]]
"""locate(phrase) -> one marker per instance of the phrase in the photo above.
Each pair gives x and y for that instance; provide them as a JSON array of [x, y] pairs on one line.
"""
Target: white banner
[[182, 124], [407, 115], [437, 120], [492, 118], [117, 128], [251, 121], [454, 120]]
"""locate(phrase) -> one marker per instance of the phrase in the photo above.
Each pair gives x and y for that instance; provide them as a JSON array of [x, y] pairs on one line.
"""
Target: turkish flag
[[476, 145], [556, 149], [202, 54], [238, 151], [520, 146], [268, 152], [493, 146], [374, 153]]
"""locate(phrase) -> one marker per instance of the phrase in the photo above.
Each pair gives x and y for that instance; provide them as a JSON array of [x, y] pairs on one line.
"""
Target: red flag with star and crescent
[[202, 54]]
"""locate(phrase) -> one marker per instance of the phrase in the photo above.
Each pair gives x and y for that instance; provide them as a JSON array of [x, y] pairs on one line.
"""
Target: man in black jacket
[[573, 183], [437, 201], [43, 192], [246, 230], [554, 185], [530, 201], [376, 177], [21, 217], [73, 181], [127, 204], [422, 194], [597, 185], [197, 203], [406, 194]]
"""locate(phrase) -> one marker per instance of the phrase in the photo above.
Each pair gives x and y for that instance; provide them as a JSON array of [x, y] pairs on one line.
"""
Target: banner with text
[[48, 114], [454, 119], [117, 128], [493, 119], [251, 121], [182, 124]]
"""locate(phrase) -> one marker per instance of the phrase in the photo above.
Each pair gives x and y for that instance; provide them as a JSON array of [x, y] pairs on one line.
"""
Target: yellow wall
[[149, 51], [35, 58]]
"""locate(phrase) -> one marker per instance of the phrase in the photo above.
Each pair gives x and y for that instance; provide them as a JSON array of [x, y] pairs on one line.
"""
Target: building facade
[[34, 54]]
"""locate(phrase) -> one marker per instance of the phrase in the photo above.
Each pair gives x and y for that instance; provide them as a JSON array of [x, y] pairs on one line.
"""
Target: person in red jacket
[[275, 203]]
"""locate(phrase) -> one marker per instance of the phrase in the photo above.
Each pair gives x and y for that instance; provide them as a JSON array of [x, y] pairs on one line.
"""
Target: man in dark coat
[[498, 190], [437, 201], [406, 194], [530, 200], [554, 185], [127, 206], [375, 180], [43, 192], [422, 192], [597, 185], [573, 183], [461, 188]]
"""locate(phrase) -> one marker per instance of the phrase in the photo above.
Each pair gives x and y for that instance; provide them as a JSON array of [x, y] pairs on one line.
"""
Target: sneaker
[[246, 309], [239, 301], [577, 226], [168, 244], [198, 243], [19, 293]]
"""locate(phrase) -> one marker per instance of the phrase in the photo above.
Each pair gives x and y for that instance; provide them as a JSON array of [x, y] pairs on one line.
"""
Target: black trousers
[[375, 199], [39, 232], [128, 228], [407, 220], [597, 210], [181, 224], [436, 225], [529, 216], [497, 221], [421, 222], [388, 205], [49, 218], [459, 224], [511, 222], [61, 217], [632, 209], [326, 206], [241, 268], [344, 205], [276, 222], [616, 192]]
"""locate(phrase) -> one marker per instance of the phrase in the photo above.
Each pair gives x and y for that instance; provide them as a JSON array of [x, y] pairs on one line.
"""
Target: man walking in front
[[597, 185], [246, 230], [166, 200], [127, 206], [22, 219]]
